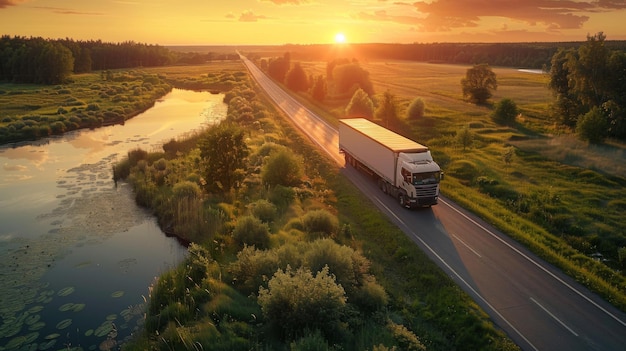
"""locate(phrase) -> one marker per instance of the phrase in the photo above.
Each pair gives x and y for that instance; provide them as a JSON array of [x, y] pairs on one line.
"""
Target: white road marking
[[468, 247], [537, 264], [554, 317]]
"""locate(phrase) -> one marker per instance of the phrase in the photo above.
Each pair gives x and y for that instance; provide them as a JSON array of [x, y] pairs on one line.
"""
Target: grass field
[[558, 195]]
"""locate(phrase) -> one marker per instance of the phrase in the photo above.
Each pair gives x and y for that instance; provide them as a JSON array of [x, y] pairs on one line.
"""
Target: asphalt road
[[538, 306]]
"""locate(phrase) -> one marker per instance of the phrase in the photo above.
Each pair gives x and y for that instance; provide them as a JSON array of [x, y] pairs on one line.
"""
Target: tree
[[278, 67], [296, 79], [350, 76], [282, 168], [592, 126], [360, 105], [567, 107], [224, 152], [387, 109], [464, 137], [505, 112], [478, 83], [320, 89], [589, 73], [415, 109]]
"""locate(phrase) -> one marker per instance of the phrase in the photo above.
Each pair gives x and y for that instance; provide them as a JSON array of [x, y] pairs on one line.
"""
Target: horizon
[[315, 22]]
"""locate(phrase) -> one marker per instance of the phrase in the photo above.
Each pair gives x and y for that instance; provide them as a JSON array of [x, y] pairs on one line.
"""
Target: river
[[77, 256]]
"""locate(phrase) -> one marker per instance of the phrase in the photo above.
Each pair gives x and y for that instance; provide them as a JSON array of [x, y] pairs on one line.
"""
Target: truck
[[402, 167]]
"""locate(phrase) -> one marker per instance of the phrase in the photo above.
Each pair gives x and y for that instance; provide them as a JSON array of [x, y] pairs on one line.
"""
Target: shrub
[[320, 223], [415, 109], [264, 210], [465, 137], [251, 231], [360, 105], [252, 268], [313, 341], [296, 301], [186, 189], [282, 168], [505, 112], [593, 126]]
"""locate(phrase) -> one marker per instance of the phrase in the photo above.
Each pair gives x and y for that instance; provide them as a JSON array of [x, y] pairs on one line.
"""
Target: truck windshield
[[426, 178]]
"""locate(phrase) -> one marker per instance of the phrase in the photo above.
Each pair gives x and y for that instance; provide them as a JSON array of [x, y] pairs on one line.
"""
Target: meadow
[[559, 196]]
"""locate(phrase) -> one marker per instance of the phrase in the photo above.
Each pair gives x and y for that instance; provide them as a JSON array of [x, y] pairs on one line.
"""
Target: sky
[[278, 22]]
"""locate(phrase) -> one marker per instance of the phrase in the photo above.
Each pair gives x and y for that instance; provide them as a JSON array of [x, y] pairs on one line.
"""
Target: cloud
[[63, 11], [7, 3], [18, 168], [446, 15], [287, 2], [249, 16]]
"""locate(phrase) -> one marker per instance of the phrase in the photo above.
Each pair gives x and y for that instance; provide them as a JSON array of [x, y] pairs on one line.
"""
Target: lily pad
[[117, 294], [64, 323], [37, 326], [78, 307], [52, 336], [89, 332], [66, 307], [35, 309], [104, 329], [32, 319], [47, 345], [66, 291]]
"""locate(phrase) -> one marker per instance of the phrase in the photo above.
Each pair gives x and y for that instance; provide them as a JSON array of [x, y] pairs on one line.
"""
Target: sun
[[340, 38]]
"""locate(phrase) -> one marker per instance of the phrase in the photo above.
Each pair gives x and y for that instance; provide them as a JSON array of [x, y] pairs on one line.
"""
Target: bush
[[251, 231], [314, 341], [415, 109], [264, 210], [360, 105], [252, 268], [296, 301], [505, 112], [593, 126], [320, 223], [282, 168], [186, 189]]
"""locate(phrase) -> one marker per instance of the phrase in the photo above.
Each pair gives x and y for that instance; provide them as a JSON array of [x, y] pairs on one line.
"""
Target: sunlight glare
[[340, 38]]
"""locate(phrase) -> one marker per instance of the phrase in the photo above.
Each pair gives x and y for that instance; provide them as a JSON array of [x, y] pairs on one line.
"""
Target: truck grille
[[426, 190]]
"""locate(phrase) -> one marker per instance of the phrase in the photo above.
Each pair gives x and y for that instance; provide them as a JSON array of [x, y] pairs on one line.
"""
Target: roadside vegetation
[[256, 232], [508, 159], [285, 255]]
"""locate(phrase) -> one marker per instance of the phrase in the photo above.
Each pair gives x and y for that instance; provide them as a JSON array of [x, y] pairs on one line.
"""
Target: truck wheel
[[401, 200]]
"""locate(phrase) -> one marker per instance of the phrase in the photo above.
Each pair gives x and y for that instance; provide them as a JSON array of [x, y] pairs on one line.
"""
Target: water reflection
[[76, 254]]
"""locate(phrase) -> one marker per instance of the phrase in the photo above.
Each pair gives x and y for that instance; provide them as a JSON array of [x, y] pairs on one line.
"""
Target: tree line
[[589, 84], [527, 55], [45, 61]]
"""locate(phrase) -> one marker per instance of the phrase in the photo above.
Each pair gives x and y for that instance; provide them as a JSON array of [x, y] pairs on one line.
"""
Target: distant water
[[77, 255], [530, 70]]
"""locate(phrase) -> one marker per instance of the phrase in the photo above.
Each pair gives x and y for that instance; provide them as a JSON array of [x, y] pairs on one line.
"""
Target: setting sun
[[340, 38]]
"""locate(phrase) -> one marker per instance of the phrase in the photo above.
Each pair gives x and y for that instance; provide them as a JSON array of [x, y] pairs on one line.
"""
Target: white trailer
[[403, 168]]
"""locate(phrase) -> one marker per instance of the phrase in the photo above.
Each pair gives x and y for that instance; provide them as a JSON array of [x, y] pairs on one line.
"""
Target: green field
[[559, 196]]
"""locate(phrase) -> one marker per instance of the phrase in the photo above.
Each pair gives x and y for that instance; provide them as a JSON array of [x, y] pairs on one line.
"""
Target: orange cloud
[[7, 3], [287, 2], [64, 11], [445, 15], [249, 16]]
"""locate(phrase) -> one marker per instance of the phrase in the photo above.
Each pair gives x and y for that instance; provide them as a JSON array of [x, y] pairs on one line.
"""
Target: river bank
[[72, 271]]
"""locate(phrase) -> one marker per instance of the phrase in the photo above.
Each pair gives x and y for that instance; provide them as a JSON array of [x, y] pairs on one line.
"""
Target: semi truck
[[402, 167]]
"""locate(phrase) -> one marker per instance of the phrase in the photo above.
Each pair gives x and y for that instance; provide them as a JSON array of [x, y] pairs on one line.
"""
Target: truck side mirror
[[441, 178]]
